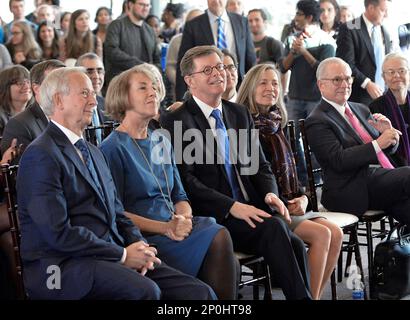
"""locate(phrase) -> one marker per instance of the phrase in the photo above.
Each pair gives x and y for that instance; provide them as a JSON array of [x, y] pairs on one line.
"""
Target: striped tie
[[221, 41]]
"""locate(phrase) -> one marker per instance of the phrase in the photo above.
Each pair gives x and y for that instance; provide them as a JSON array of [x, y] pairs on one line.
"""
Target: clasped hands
[[141, 257], [179, 227], [389, 135]]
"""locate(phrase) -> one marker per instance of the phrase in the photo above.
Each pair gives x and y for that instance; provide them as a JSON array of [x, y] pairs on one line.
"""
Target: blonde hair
[[117, 101], [246, 93]]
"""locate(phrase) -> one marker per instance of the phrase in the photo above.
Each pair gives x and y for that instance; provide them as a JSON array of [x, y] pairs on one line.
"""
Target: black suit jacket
[[355, 47], [343, 156], [25, 126], [198, 32], [101, 109], [207, 184]]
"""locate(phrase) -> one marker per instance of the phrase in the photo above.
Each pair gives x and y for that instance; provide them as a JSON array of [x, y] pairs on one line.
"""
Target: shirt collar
[[69, 134], [207, 109], [369, 25], [212, 17], [338, 107]]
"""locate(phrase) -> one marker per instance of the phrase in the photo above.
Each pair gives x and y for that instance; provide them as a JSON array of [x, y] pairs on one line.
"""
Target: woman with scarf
[[261, 93], [395, 103]]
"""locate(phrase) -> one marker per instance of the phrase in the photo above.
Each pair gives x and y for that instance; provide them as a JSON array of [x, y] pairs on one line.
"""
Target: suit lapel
[[207, 32], [70, 152], [366, 38], [39, 116], [337, 117], [98, 164], [236, 28], [372, 131]]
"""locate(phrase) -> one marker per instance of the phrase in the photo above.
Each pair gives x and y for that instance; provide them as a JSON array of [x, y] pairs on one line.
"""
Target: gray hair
[[87, 56], [395, 55], [322, 68], [57, 81]]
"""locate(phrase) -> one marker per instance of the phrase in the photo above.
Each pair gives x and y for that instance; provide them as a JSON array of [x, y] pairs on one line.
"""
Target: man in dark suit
[[130, 40], [363, 43], [203, 30], [76, 241], [352, 147], [241, 194], [29, 124], [95, 70]]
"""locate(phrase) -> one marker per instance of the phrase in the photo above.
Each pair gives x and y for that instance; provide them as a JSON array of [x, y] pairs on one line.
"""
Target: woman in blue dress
[[144, 171]]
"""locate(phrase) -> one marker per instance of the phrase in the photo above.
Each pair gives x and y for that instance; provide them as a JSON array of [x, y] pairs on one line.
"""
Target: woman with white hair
[[395, 102]]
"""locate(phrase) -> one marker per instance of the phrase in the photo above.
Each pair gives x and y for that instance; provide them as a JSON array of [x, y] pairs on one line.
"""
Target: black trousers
[[389, 190], [284, 252]]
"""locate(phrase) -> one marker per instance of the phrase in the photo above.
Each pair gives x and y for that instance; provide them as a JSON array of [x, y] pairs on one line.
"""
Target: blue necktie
[[221, 40], [82, 146], [378, 49], [96, 123], [224, 152]]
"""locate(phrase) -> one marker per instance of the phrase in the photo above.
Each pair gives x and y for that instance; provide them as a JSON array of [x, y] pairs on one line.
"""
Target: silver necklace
[[171, 210]]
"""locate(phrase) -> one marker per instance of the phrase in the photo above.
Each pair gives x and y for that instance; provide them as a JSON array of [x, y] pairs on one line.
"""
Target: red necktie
[[365, 136]]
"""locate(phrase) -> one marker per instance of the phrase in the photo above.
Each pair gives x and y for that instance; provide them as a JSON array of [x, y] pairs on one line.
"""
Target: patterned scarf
[[393, 112], [282, 159]]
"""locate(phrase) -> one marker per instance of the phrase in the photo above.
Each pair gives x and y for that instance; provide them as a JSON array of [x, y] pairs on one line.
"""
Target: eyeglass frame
[[90, 71], [231, 67], [20, 82], [349, 80], [401, 72], [224, 67]]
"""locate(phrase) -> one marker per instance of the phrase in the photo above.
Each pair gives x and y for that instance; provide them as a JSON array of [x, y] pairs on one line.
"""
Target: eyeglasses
[[143, 5], [337, 81], [90, 71], [208, 69], [87, 93], [391, 73], [16, 33], [230, 67], [20, 82], [299, 13]]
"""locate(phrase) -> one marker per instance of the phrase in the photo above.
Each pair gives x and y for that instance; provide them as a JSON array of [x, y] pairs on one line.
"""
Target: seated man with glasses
[[395, 102], [353, 147], [241, 193], [94, 68]]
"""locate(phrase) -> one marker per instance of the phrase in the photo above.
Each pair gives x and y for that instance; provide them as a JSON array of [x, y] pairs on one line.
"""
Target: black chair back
[[106, 129], [9, 180]]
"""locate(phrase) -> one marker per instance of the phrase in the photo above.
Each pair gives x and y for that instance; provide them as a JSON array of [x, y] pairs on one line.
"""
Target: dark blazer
[[120, 44], [198, 32], [101, 109], [207, 184], [344, 158], [355, 47], [25, 126], [65, 220]]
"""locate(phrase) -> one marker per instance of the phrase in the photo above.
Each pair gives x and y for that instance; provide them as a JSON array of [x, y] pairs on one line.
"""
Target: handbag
[[391, 272]]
